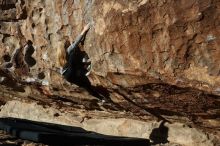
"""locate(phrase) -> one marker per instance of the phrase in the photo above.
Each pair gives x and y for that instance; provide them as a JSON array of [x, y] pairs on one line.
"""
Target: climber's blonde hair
[[61, 55]]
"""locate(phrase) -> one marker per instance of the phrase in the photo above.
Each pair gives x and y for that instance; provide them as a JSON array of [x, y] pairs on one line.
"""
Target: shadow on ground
[[54, 134], [159, 135]]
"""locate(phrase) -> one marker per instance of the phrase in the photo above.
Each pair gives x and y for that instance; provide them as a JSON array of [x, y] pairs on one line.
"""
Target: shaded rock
[[155, 60], [175, 132]]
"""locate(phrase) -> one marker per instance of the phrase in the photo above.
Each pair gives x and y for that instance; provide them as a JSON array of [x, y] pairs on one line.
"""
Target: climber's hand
[[86, 28]]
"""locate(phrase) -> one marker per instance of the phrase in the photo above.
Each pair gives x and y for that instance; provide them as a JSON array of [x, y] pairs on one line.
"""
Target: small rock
[[210, 38], [56, 115], [156, 94], [199, 39], [2, 79], [45, 82]]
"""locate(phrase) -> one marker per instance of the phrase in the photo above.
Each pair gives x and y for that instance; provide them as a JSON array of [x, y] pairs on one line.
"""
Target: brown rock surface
[[174, 41], [153, 58]]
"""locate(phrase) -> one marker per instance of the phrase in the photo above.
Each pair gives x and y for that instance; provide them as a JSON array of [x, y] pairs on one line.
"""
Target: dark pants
[[77, 76]]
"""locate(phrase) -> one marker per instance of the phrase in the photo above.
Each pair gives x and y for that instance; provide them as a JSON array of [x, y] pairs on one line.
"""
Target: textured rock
[[153, 58], [175, 41], [176, 132]]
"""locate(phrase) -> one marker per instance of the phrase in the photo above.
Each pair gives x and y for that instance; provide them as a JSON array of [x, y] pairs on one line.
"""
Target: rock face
[[153, 57], [174, 41]]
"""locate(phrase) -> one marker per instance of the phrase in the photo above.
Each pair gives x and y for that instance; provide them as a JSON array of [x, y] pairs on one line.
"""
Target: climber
[[74, 62], [75, 65]]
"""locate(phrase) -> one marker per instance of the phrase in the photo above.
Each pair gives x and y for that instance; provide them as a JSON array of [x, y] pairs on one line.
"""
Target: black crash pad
[[54, 134]]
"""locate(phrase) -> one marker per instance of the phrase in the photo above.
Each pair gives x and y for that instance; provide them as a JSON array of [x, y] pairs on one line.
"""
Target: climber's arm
[[78, 39]]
